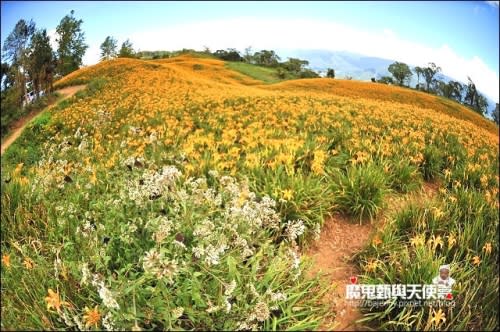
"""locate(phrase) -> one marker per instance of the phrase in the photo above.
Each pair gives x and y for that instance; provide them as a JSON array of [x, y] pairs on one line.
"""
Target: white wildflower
[[294, 229], [211, 308], [78, 133], [107, 297], [163, 231], [261, 311], [85, 274], [278, 297], [247, 252], [151, 261], [155, 263], [57, 266], [177, 312], [79, 323], [253, 291], [230, 288], [295, 263], [107, 322], [153, 137], [170, 174], [295, 259], [83, 145], [96, 280], [228, 305], [198, 251], [168, 269], [205, 228], [66, 319], [179, 244], [212, 254]]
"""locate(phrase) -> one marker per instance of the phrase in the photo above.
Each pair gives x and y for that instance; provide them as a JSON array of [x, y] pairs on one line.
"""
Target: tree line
[[293, 67], [30, 65], [466, 94]]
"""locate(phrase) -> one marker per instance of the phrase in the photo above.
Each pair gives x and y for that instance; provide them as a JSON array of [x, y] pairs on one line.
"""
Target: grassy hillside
[[264, 74], [179, 194]]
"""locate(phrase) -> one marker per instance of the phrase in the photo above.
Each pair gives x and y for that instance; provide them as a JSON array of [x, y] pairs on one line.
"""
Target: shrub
[[404, 177], [361, 191], [433, 162]]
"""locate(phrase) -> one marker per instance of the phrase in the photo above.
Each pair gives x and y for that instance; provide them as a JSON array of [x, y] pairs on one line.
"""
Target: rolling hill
[[183, 194], [358, 66]]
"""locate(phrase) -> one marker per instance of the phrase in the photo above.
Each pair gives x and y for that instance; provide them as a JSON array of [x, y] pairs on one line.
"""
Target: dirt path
[[339, 241], [19, 125]]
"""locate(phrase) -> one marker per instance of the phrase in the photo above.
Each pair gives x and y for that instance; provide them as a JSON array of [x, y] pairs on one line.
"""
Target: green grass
[[201, 250], [9, 117], [360, 191], [462, 232], [264, 74]]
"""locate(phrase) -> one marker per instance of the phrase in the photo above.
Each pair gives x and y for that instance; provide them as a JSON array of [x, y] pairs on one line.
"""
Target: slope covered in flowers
[[176, 194]]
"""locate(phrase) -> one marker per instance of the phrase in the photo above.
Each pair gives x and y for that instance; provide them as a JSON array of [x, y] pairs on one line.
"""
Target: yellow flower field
[[177, 194]]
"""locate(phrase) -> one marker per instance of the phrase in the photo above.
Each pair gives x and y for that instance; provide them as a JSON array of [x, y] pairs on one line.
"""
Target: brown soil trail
[[339, 241], [19, 125]]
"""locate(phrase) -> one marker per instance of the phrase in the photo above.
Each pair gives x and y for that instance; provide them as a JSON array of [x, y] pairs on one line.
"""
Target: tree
[[15, 50], [248, 54], [443, 89], [471, 93], [386, 80], [456, 90], [230, 55], [419, 71], [126, 51], [7, 78], [16, 43], [481, 104], [330, 73], [267, 58], [40, 67], [495, 115], [294, 65], [308, 73], [474, 99], [429, 73], [71, 44], [281, 73], [400, 71], [108, 48]]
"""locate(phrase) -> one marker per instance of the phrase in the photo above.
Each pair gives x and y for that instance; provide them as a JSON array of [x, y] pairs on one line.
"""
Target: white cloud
[[312, 34], [493, 4], [53, 38], [92, 56]]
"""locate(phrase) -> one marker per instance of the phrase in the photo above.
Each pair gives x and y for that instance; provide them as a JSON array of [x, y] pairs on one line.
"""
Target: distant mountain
[[357, 66]]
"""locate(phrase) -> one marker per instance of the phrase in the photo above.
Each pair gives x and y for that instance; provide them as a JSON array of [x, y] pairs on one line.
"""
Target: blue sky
[[459, 36]]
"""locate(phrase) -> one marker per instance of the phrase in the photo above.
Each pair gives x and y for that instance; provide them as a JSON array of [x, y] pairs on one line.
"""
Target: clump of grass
[[404, 176], [360, 191], [433, 162], [299, 196]]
